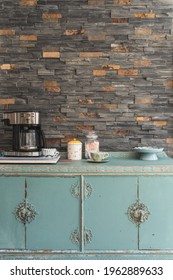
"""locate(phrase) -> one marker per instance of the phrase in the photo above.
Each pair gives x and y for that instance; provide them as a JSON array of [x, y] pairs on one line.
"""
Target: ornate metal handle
[[138, 213], [25, 212]]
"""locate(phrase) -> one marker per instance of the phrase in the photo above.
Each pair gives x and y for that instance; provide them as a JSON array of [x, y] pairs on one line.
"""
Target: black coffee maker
[[28, 137]]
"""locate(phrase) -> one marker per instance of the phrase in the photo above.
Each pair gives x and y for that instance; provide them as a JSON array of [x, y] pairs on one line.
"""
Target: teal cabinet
[[12, 232], [157, 194], [86, 215], [105, 213]]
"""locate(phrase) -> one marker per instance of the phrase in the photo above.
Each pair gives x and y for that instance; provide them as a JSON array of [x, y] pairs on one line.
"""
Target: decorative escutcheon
[[88, 236], [138, 213], [25, 212], [75, 190], [75, 236]]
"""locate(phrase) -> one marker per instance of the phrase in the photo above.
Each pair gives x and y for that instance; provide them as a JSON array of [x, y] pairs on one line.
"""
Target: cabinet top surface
[[119, 163]]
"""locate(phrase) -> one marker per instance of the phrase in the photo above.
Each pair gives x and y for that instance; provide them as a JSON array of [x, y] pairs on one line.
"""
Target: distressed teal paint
[[91, 200]]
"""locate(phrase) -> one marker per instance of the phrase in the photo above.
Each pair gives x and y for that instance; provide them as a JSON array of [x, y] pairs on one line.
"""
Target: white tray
[[31, 160]]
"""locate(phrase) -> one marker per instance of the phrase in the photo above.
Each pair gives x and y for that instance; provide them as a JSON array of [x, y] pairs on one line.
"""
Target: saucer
[[100, 161]]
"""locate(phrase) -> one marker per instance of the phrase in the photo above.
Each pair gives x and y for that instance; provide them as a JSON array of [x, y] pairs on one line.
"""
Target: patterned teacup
[[99, 156]]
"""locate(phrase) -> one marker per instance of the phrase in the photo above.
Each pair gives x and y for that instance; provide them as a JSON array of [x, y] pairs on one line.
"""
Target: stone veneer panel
[[104, 65]]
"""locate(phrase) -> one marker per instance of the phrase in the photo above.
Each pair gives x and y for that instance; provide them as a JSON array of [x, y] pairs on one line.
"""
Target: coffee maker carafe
[[28, 137]]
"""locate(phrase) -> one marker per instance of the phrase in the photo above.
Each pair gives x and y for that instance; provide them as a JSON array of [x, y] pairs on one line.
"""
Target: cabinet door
[[57, 213], [157, 194], [106, 222], [11, 230]]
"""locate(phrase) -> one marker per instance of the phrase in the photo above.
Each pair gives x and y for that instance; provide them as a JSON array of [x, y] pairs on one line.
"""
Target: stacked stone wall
[[103, 65]]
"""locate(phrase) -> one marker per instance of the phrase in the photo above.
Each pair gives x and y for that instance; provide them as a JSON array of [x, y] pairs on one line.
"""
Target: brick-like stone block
[[160, 123], [120, 20], [143, 31], [28, 2], [91, 54], [96, 37], [85, 127], [59, 119], [108, 106], [145, 15], [88, 115], [47, 54], [86, 101], [157, 37], [122, 2], [108, 88], [169, 140], [28, 38], [142, 63], [119, 48], [7, 66], [169, 84], [51, 16], [128, 72], [7, 32], [143, 100], [99, 72], [142, 119], [7, 101], [71, 32], [120, 131]]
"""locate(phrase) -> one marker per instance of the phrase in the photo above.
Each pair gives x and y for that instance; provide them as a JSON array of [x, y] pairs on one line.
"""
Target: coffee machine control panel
[[29, 118], [18, 118]]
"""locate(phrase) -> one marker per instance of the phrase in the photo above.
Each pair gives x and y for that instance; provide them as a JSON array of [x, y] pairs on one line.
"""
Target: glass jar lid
[[92, 135]]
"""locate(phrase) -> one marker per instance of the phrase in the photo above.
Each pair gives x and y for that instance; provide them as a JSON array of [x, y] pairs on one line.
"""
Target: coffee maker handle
[[43, 139]]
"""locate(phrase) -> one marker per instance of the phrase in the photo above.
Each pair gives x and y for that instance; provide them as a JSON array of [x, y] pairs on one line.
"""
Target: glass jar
[[91, 144]]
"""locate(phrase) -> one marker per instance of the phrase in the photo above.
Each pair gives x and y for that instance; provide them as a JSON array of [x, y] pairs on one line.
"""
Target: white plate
[[149, 150]]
